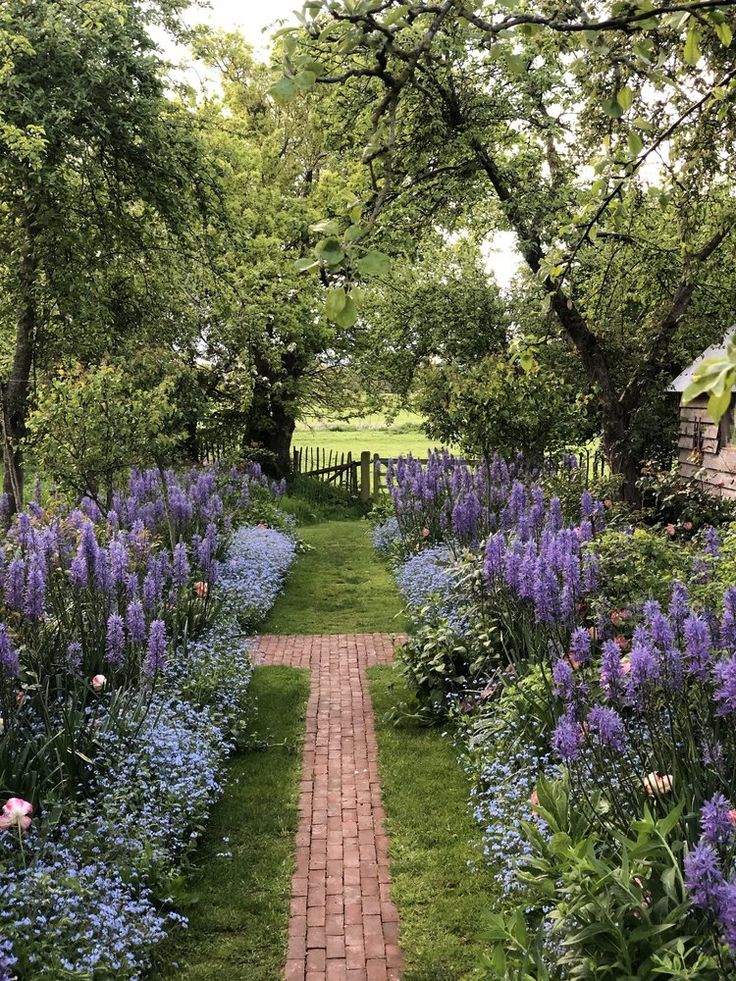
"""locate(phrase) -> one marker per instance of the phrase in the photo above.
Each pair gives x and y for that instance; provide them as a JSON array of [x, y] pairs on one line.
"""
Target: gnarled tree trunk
[[15, 388]]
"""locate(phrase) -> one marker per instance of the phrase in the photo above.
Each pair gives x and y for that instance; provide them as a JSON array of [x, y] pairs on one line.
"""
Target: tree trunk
[[15, 389], [622, 455], [272, 431]]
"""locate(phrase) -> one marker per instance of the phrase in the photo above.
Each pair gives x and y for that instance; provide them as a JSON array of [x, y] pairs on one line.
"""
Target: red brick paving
[[342, 923]]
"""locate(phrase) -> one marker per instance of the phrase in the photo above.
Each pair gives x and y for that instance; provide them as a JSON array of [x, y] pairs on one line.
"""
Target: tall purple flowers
[[155, 660]]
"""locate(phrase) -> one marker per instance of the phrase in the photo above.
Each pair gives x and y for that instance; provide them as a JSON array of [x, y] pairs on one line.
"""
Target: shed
[[706, 448]]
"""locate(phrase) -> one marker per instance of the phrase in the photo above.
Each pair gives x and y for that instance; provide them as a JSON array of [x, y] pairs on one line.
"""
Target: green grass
[[441, 886], [371, 432], [239, 922], [340, 586]]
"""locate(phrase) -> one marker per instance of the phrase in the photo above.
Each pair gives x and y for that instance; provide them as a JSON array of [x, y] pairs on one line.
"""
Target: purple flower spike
[[34, 597], [15, 583], [155, 661], [644, 667], [679, 609], [703, 876], [9, 660], [580, 645], [181, 565], [697, 636], [725, 694], [564, 680], [608, 725], [715, 820], [136, 622], [567, 739], [115, 644], [612, 672]]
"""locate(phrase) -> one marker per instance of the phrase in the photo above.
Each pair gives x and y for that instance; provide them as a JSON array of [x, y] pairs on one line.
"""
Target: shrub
[[683, 502], [638, 565]]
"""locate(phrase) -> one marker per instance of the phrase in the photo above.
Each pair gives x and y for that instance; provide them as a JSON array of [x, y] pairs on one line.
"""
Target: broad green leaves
[[716, 377], [340, 308]]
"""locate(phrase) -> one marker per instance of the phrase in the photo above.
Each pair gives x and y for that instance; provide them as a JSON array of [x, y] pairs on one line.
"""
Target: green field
[[372, 432]]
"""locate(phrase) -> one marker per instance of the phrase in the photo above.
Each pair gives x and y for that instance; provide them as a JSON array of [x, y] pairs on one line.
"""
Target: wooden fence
[[365, 475]]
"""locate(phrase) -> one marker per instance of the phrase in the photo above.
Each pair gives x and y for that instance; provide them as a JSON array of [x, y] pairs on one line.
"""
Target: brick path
[[342, 922]]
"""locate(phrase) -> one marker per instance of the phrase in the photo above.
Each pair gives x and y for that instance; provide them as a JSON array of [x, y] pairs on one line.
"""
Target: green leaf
[[718, 403], [374, 264], [284, 90], [305, 81], [691, 52], [328, 226], [336, 301], [612, 108], [348, 315], [625, 98], [306, 265], [636, 144], [723, 33], [330, 251]]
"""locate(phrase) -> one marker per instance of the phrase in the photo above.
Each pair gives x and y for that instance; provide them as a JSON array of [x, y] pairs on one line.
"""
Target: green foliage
[[91, 425], [623, 911], [639, 565], [498, 404], [685, 502], [567, 483]]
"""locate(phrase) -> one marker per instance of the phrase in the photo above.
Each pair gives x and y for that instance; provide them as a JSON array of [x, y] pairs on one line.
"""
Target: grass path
[[441, 885], [340, 586], [239, 919]]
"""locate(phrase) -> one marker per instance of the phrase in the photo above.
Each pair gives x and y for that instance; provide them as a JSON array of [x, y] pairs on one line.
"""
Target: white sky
[[256, 19], [250, 16]]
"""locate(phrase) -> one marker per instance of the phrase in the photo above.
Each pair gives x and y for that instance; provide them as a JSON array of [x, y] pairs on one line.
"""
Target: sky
[[256, 19], [250, 16]]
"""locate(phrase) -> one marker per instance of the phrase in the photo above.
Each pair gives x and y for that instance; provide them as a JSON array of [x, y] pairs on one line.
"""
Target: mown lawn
[[441, 886], [403, 435], [238, 921], [339, 586]]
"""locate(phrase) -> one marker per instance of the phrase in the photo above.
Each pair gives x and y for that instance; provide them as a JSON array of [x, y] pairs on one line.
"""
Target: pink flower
[[657, 783], [626, 664], [99, 681], [261, 524], [534, 801], [201, 589], [425, 532], [732, 816], [16, 814], [670, 529]]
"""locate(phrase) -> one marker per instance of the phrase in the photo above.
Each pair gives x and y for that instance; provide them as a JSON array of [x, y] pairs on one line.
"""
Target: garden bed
[[125, 669], [591, 693]]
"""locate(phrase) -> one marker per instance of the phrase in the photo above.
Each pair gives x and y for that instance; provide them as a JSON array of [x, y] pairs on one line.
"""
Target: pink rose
[[99, 681], [16, 813], [201, 589]]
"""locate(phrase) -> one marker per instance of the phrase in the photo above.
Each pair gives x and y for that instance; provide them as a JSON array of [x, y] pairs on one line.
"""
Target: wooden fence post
[[365, 476], [376, 477]]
